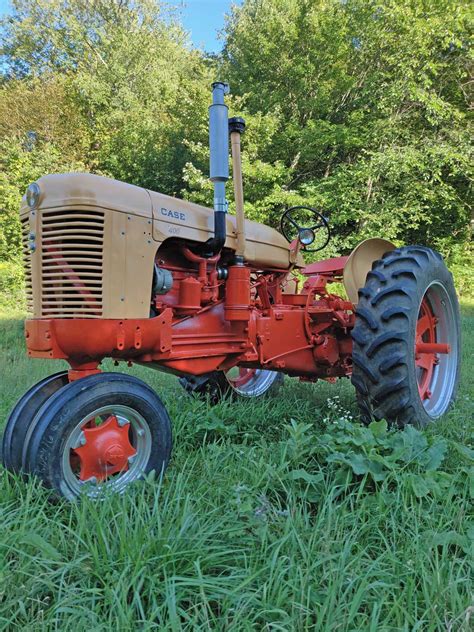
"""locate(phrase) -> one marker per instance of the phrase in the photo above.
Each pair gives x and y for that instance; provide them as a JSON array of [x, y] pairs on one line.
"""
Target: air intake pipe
[[219, 164]]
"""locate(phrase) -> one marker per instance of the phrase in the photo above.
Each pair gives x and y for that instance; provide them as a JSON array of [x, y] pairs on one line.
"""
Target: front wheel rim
[[107, 450], [436, 350], [250, 382]]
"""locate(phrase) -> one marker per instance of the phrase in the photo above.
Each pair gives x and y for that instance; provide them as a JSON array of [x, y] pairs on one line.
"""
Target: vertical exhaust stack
[[219, 163]]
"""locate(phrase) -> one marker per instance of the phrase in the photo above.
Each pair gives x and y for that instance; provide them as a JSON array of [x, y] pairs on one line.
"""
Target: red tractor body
[[248, 319]]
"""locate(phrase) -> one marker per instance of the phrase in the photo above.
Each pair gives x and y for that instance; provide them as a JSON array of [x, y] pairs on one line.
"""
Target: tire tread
[[383, 363]]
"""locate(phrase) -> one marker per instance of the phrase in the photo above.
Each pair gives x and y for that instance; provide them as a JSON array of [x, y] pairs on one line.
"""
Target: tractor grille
[[25, 236], [71, 266]]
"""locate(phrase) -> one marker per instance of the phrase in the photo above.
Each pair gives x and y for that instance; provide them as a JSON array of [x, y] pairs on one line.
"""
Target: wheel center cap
[[104, 450], [114, 453]]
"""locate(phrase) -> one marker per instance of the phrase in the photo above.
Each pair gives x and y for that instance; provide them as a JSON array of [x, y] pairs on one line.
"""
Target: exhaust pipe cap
[[236, 124]]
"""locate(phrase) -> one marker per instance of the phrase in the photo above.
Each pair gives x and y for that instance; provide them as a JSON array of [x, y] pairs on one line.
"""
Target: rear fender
[[360, 263]]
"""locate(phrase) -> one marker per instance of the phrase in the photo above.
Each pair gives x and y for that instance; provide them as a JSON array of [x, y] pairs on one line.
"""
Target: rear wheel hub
[[243, 377], [425, 360], [435, 349]]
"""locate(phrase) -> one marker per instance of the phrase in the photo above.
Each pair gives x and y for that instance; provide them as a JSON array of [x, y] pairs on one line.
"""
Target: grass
[[259, 524]]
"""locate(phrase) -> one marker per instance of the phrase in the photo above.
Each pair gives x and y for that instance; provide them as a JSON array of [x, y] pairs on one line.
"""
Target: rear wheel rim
[[436, 350], [107, 450], [250, 382]]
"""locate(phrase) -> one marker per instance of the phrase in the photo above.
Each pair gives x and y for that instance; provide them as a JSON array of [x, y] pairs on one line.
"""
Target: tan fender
[[360, 263]]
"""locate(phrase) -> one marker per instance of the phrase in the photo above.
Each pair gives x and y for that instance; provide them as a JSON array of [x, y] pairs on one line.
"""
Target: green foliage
[[109, 88], [371, 103], [358, 108], [12, 295], [20, 164], [460, 264], [369, 455]]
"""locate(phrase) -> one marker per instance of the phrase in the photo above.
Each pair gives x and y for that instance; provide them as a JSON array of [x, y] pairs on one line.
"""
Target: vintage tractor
[[117, 271]]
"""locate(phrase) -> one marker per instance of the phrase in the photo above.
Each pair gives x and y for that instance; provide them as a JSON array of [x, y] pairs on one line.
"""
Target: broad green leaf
[[303, 475], [435, 455], [378, 428], [358, 462], [419, 485]]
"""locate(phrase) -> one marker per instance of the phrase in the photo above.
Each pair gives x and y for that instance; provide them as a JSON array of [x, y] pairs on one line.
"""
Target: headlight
[[33, 193], [306, 236]]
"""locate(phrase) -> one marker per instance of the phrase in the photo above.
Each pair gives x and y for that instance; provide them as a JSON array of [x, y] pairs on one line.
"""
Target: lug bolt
[[81, 440]]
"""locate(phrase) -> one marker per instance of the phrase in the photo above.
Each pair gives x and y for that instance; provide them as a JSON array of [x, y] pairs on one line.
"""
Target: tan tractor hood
[[169, 216]]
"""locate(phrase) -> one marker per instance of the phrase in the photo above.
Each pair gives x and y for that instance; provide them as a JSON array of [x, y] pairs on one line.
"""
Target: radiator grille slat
[[72, 264], [79, 216], [59, 237], [25, 232], [60, 263], [92, 248], [60, 275]]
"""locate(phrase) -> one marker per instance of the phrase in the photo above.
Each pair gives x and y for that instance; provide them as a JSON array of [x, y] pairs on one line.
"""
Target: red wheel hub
[[104, 450], [427, 348], [245, 375]]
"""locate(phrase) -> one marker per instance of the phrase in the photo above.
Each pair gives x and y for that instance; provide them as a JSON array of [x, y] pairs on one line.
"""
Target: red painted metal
[[189, 296], [204, 324], [237, 295], [427, 348], [106, 450], [432, 347], [334, 267], [84, 371]]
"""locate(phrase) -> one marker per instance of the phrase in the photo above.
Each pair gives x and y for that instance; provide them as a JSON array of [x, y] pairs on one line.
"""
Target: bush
[[459, 261], [12, 295]]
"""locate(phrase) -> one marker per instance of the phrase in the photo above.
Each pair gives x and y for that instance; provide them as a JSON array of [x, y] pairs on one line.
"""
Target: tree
[[109, 87], [371, 101], [358, 107], [132, 75]]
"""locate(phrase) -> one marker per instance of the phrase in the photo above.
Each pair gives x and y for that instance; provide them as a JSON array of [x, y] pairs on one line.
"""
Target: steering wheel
[[294, 225]]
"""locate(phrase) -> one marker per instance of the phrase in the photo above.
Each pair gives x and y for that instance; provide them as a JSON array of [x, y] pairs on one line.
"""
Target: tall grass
[[256, 525]]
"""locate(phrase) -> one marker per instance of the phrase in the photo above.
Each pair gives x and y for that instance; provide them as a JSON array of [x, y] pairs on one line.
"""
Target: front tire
[[406, 340], [97, 435], [22, 415]]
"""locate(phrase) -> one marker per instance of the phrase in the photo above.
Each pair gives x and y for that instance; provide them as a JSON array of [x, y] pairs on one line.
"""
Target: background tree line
[[358, 107]]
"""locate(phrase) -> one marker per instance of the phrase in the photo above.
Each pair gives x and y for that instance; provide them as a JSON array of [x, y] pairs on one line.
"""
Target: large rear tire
[[241, 382], [406, 340], [97, 435]]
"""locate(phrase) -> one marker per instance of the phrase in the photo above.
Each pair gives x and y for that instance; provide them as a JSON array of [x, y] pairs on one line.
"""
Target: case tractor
[[228, 305]]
